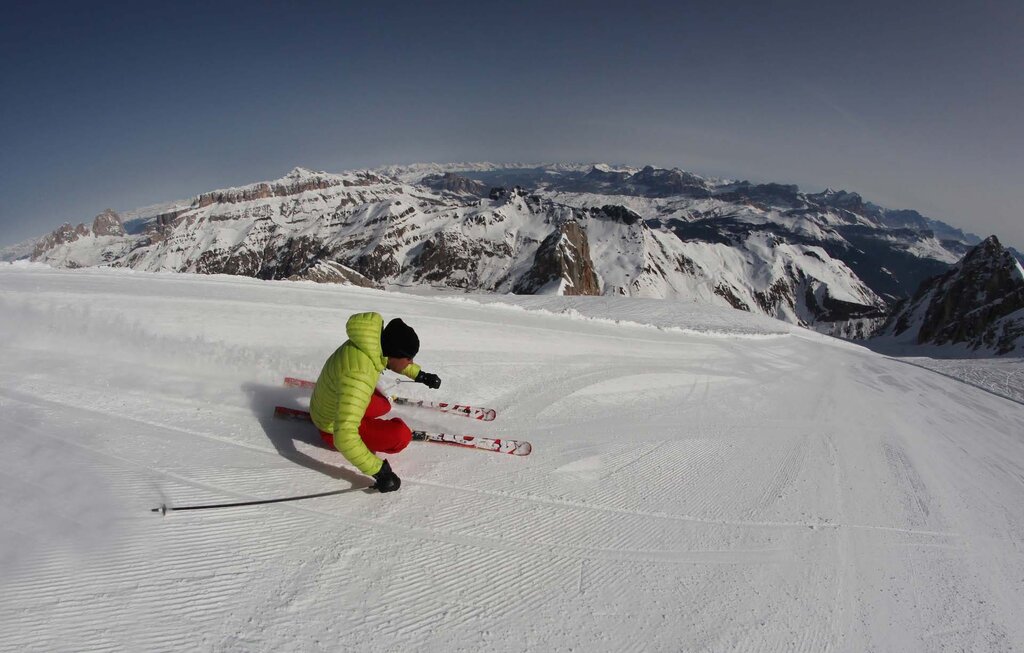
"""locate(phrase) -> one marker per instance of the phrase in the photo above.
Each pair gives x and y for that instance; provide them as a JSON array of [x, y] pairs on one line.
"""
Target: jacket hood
[[364, 329]]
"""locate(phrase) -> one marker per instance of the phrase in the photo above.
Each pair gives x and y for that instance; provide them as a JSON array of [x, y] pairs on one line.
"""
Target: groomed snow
[[701, 479]]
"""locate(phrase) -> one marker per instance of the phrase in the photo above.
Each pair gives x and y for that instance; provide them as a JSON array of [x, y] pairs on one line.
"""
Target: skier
[[346, 403]]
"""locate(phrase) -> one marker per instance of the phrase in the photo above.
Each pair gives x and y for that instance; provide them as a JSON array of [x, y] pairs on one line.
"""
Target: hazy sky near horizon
[[912, 104]]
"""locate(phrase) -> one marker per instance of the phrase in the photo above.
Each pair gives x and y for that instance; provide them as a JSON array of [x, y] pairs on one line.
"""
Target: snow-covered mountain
[[818, 259], [978, 303]]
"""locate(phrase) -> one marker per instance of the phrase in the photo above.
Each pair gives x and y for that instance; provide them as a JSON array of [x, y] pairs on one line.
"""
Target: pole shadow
[[283, 434]]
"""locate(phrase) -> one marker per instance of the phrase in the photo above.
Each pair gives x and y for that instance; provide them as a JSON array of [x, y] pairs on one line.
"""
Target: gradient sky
[[912, 104]]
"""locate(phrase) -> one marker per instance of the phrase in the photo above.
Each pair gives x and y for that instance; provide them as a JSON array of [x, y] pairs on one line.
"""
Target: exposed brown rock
[[108, 223], [778, 294], [728, 294], [334, 272], [297, 181], [60, 236], [564, 255], [454, 260]]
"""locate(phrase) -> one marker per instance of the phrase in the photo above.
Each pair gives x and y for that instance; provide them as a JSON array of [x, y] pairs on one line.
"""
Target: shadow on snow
[[283, 434]]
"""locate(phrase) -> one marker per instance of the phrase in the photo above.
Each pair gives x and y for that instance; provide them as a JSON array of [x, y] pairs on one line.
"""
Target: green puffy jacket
[[346, 384]]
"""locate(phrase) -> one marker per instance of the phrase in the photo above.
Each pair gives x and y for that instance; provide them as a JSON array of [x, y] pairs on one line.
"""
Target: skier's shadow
[[284, 433]]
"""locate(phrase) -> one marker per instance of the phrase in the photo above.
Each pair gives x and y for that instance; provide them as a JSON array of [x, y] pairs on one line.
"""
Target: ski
[[499, 445], [473, 412], [482, 414]]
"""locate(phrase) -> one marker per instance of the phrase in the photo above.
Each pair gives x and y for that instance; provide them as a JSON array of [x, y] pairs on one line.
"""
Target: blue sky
[[913, 104]]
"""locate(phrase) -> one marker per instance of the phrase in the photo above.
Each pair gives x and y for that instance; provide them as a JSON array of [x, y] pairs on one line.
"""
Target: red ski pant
[[379, 435]]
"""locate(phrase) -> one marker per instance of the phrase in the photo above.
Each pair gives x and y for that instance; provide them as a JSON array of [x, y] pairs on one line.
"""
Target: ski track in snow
[[772, 491]]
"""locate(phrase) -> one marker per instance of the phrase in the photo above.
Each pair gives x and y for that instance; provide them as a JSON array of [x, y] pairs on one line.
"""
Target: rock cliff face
[[107, 223], [978, 303], [62, 235], [829, 260], [563, 264], [299, 180]]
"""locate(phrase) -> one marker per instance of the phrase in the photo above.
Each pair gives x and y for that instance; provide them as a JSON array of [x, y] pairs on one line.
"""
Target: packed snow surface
[[701, 479]]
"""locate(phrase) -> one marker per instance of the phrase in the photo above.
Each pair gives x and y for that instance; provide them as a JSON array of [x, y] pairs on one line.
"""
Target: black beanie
[[398, 340]]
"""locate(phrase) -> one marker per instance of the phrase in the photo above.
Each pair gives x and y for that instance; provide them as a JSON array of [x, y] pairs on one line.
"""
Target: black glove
[[429, 380], [387, 480]]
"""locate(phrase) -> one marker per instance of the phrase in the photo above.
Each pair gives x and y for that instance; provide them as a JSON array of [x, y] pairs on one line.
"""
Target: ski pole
[[164, 508]]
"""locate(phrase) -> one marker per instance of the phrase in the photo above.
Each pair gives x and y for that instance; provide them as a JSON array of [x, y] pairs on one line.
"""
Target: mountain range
[[828, 260]]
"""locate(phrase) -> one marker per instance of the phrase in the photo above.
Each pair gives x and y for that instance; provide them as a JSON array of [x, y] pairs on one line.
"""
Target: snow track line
[[846, 579], [697, 520], [784, 474], [636, 458]]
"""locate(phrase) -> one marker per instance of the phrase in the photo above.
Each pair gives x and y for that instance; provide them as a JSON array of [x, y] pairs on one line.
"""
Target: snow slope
[[701, 479]]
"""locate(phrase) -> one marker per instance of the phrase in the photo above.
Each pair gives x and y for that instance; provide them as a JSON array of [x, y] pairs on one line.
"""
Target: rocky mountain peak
[[298, 172], [618, 213], [973, 303], [988, 252], [602, 173], [664, 183], [840, 199], [502, 194], [108, 223]]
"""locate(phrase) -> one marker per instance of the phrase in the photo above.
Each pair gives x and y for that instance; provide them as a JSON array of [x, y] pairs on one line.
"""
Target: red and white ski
[[474, 412], [482, 414], [500, 445]]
